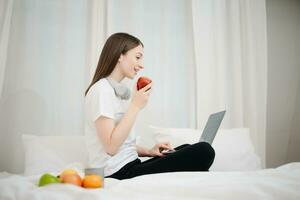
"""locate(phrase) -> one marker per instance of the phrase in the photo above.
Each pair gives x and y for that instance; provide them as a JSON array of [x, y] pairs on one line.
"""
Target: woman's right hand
[[140, 97]]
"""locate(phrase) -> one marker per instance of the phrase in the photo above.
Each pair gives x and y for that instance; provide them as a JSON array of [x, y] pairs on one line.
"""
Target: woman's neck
[[116, 75]]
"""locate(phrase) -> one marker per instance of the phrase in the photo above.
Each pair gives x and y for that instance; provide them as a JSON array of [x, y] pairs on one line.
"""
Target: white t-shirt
[[102, 101]]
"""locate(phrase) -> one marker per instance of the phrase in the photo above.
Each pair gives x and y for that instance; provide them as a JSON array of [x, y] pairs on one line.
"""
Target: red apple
[[142, 82]]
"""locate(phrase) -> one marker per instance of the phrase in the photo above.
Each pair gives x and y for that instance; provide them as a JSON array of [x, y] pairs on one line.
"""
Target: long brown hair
[[115, 45]]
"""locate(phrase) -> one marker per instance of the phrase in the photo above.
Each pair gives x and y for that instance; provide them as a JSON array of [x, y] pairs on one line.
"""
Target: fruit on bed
[[142, 82], [92, 181], [46, 179], [71, 176], [74, 179]]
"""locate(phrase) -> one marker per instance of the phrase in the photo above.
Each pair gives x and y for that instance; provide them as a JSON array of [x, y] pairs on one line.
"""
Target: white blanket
[[279, 183]]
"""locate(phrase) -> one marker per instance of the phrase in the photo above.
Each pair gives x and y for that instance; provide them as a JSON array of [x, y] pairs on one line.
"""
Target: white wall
[[283, 101]]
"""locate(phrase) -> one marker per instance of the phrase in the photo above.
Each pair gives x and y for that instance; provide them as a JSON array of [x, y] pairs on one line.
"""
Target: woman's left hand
[[158, 148]]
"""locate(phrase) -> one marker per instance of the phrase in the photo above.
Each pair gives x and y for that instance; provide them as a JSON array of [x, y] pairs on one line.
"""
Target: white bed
[[241, 178]]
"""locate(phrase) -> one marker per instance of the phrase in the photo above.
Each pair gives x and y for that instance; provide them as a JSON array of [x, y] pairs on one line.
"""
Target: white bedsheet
[[279, 183]]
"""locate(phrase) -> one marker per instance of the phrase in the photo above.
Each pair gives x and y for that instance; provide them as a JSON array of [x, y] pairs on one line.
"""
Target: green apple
[[47, 179]]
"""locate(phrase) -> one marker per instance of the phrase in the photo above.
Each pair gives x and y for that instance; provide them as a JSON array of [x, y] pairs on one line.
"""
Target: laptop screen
[[212, 126]]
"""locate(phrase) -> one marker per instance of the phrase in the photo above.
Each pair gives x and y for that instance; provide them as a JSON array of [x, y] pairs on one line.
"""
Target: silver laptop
[[211, 128]]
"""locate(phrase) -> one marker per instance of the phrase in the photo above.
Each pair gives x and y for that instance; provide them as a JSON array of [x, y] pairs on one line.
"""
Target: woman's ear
[[120, 58]]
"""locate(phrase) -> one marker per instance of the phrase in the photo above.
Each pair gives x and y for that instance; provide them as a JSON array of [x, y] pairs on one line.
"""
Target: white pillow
[[53, 153], [233, 147], [176, 136]]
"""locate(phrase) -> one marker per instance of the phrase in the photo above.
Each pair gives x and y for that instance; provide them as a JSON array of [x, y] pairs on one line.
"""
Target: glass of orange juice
[[99, 171]]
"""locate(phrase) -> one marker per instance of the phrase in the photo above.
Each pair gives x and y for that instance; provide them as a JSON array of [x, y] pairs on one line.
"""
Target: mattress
[[274, 183]]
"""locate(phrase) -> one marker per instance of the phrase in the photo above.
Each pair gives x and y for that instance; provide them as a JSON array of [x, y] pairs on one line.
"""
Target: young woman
[[110, 117]]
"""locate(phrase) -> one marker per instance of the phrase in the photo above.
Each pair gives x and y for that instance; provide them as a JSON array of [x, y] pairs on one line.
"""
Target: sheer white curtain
[[231, 64], [96, 34], [5, 19], [201, 59], [45, 72]]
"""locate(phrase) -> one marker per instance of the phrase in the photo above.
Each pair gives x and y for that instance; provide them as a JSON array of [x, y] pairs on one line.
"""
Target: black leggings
[[195, 157]]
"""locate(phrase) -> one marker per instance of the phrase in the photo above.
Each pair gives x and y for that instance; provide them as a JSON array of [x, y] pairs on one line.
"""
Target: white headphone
[[121, 90]]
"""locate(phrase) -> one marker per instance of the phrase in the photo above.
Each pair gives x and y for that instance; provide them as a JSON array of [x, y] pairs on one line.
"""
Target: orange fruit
[[74, 179], [92, 181]]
